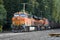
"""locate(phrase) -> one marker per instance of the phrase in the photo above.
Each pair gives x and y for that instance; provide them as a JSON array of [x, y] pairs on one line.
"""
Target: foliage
[[56, 11], [32, 6], [48, 4], [1, 1], [2, 13]]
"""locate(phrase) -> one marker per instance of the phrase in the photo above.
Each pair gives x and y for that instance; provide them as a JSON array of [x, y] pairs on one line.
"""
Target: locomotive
[[22, 21]]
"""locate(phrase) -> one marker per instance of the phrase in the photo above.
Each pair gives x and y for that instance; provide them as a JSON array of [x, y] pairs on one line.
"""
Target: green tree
[[56, 11], [32, 5], [2, 13], [48, 8]]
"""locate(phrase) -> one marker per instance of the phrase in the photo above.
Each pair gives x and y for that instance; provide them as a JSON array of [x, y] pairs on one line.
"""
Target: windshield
[[15, 15], [23, 15]]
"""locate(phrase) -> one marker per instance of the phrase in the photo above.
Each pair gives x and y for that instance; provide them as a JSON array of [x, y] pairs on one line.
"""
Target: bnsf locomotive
[[22, 21]]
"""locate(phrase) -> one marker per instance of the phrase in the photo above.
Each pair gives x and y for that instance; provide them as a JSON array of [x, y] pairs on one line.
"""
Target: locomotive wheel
[[27, 28], [39, 28], [48, 27], [14, 29], [42, 27]]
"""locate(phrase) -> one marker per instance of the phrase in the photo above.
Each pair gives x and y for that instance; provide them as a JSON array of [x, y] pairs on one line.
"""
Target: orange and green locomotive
[[22, 21]]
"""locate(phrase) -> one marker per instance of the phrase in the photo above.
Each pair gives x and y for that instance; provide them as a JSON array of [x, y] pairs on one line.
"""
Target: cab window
[[23, 15]]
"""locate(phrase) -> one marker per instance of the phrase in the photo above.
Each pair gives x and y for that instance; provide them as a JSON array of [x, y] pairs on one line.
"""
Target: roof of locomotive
[[18, 13], [21, 13]]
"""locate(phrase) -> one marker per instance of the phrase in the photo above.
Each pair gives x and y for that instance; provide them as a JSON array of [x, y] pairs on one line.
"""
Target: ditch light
[[31, 28]]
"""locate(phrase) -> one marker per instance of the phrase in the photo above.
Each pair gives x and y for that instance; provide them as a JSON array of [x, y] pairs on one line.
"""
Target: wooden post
[[55, 35]]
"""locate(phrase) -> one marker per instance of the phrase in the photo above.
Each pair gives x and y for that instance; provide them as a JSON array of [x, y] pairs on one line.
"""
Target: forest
[[41, 8]]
